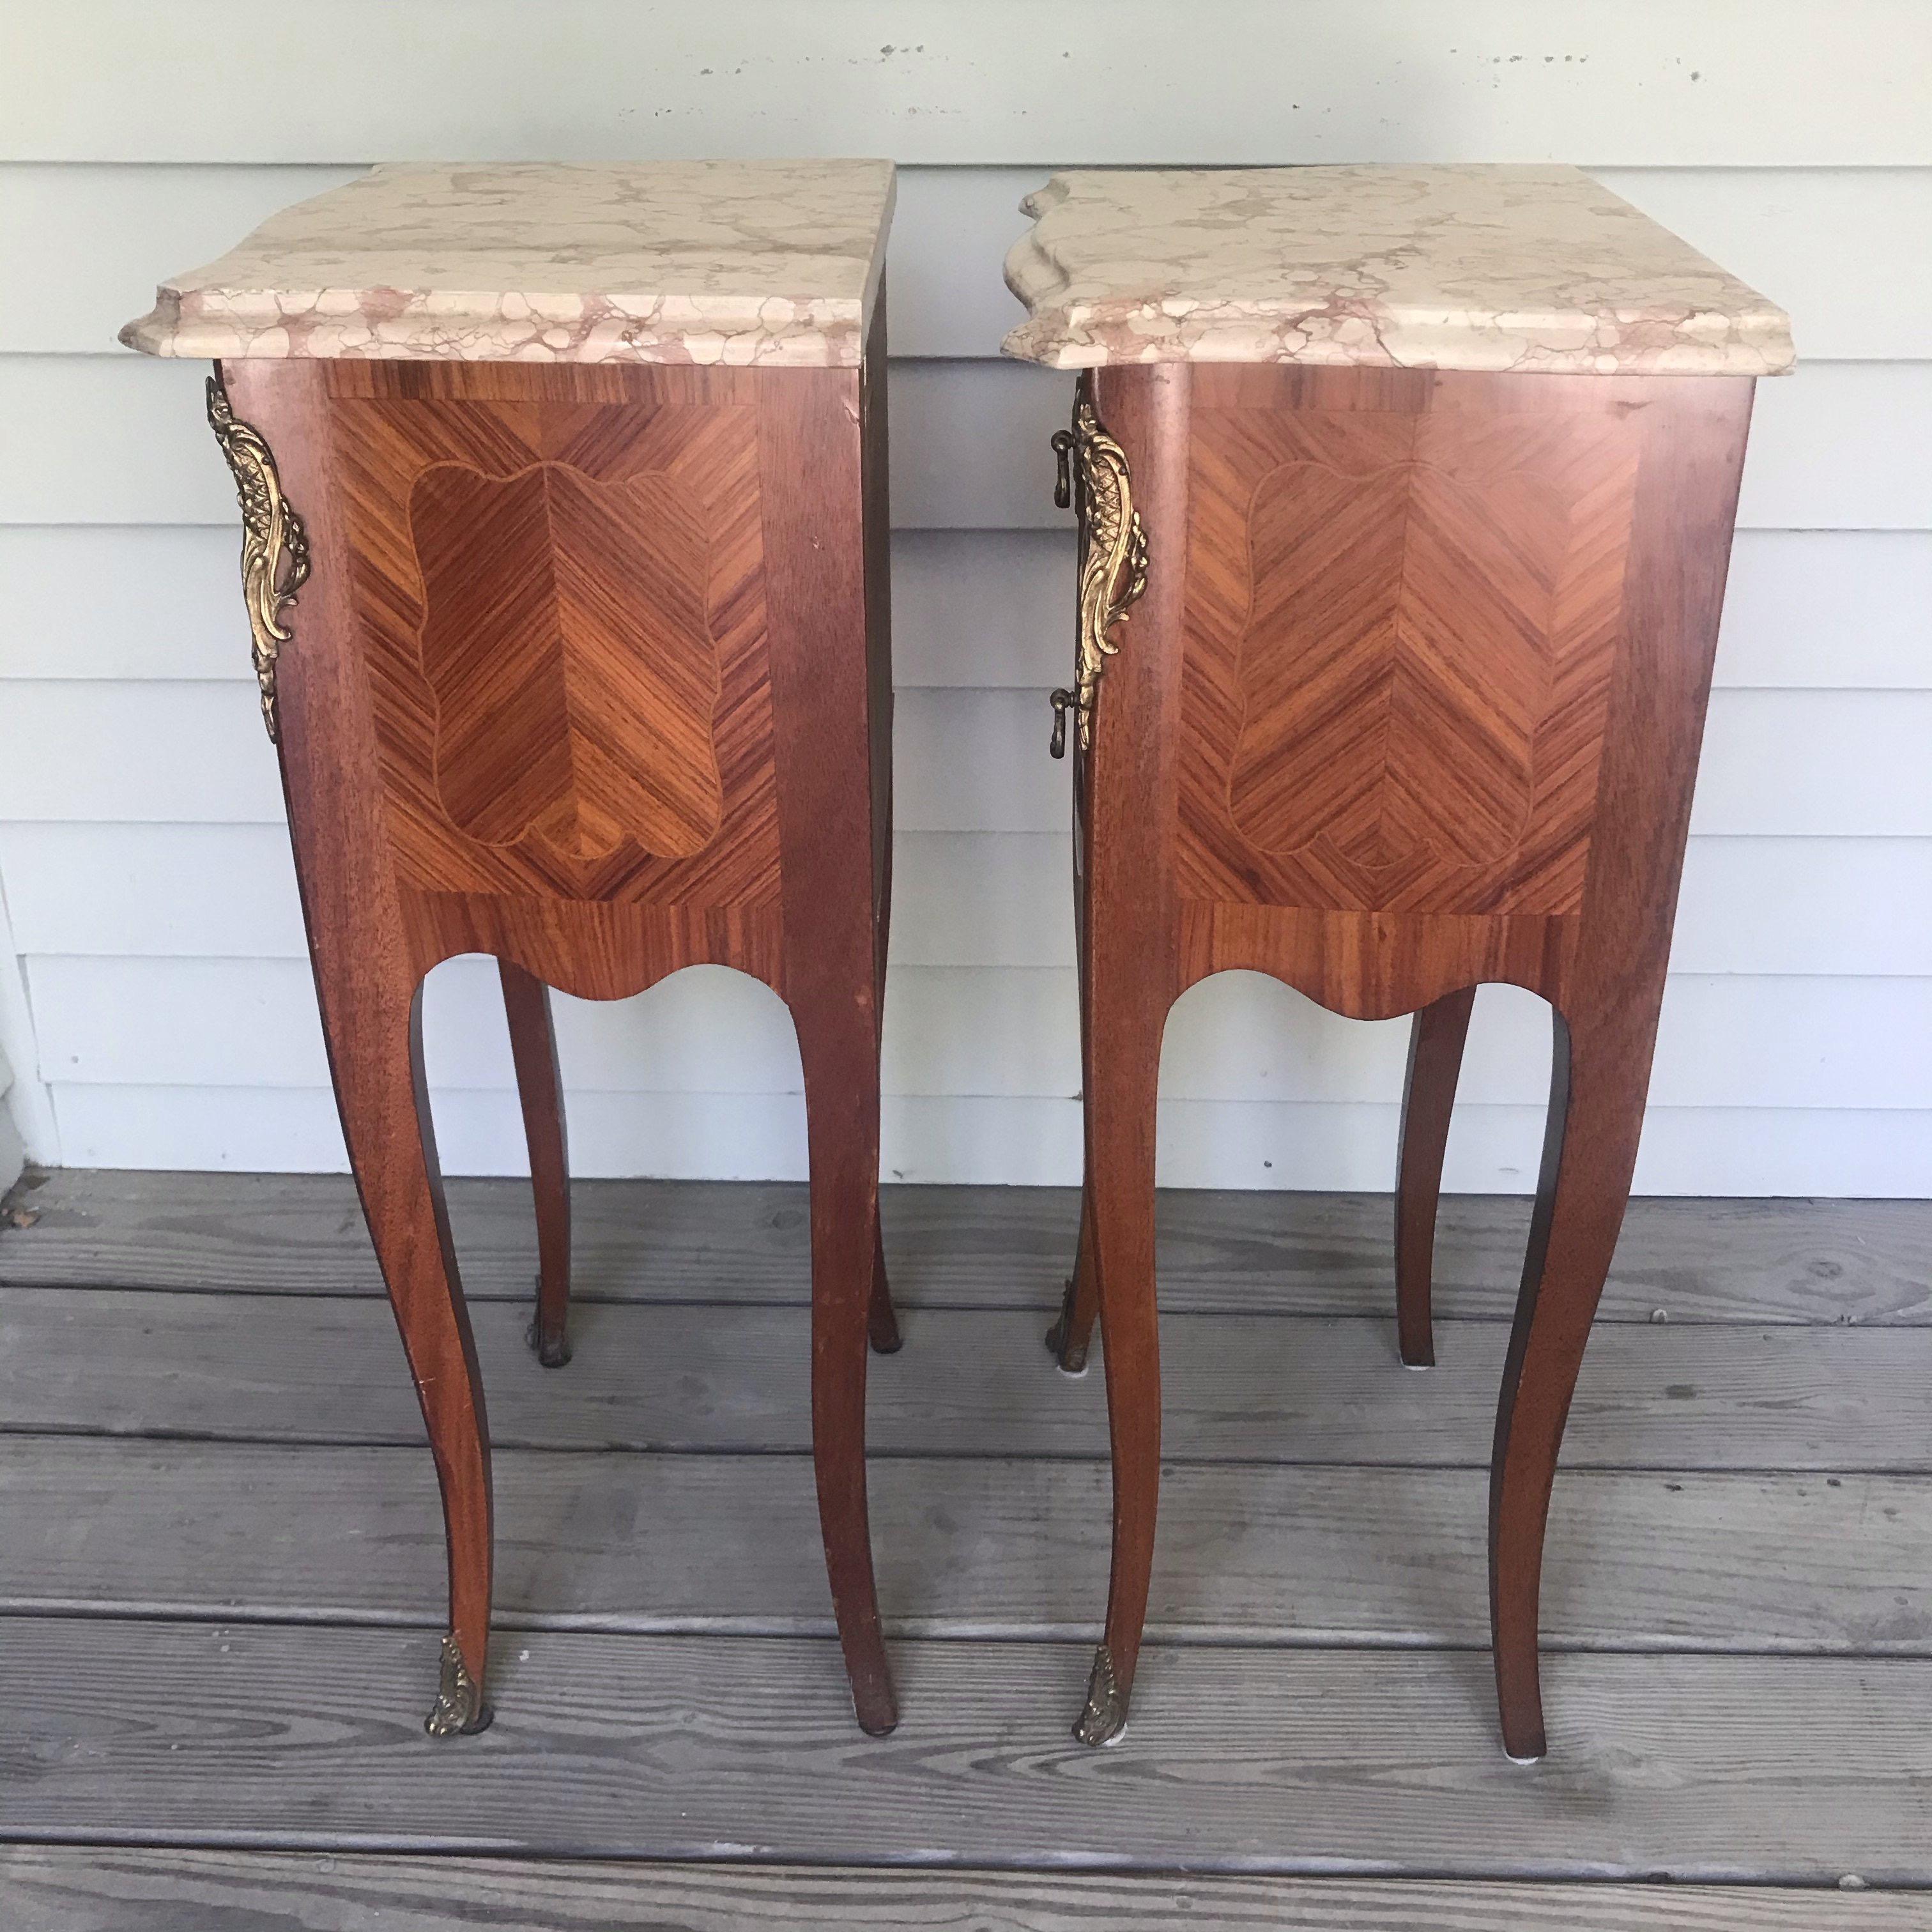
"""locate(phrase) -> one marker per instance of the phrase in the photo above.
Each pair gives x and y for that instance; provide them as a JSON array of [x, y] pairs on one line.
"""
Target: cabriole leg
[[839, 1048], [1597, 1085], [1436, 1043], [1122, 1085], [540, 1088], [374, 1029]]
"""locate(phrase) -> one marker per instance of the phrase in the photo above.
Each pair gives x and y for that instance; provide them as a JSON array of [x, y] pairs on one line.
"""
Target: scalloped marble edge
[[1339, 331], [374, 323]]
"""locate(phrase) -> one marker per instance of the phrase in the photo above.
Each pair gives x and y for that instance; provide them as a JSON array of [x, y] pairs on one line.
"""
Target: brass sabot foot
[[1104, 1721], [459, 1710]]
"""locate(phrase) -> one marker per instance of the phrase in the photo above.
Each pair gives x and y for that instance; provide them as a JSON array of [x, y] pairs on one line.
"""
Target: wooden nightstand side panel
[[1402, 624], [558, 580], [1407, 605]]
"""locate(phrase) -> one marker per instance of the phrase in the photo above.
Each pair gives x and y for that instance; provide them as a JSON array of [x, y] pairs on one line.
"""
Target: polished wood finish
[[540, 1092], [831, 766], [1129, 978], [1436, 1040], [1414, 702], [588, 678]]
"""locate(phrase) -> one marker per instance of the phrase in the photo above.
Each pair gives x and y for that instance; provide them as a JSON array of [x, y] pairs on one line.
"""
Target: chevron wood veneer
[[1408, 617], [1405, 601], [590, 721], [592, 673], [1413, 701], [562, 602]]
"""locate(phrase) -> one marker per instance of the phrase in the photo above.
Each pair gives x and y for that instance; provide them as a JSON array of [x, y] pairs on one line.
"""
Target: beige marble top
[[772, 262], [1534, 269]]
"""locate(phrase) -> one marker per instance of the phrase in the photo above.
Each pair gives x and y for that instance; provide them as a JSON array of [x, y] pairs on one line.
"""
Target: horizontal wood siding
[[123, 440], [1729, 83], [152, 995], [982, 610]]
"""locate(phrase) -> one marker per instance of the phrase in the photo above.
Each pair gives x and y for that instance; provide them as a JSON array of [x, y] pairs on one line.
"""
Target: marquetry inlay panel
[[1401, 626], [564, 638], [561, 609]]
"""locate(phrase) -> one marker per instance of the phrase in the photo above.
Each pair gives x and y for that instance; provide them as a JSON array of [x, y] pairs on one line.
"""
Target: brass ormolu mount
[[459, 1710], [1113, 555], [275, 545], [1104, 1720]]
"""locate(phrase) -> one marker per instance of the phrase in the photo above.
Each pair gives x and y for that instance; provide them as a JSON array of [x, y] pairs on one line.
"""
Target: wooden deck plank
[[1790, 1769], [47, 1889], [673, 1376], [965, 1548], [1749, 1261], [229, 1639]]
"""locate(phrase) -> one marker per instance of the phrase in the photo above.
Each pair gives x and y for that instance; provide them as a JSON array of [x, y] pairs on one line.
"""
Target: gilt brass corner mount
[[1094, 480], [275, 545]]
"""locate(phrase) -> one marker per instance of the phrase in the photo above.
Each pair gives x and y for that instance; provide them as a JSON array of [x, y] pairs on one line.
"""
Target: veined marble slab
[[771, 262], [1530, 268]]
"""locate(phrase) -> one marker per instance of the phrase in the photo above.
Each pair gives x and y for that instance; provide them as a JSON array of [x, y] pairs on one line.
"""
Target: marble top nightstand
[[1405, 498], [771, 263], [1520, 268], [563, 503]]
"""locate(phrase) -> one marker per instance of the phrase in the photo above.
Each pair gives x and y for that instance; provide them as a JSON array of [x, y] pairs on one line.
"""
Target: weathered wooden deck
[[221, 1574]]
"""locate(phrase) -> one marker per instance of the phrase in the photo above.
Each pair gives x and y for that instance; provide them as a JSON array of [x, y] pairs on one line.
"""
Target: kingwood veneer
[[577, 655], [1410, 699]]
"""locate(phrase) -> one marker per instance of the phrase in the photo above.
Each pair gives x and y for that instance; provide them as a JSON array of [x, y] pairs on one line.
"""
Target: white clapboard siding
[[27, 1107], [682, 1136], [965, 761], [1725, 1040], [1829, 906], [1850, 906], [12, 1148], [83, 248], [1812, 764], [143, 864], [978, 609], [1827, 610], [123, 440], [80, 246], [225, 1022], [1790, 763], [1808, 238], [1726, 83], [228, 891], [1008, 1142]]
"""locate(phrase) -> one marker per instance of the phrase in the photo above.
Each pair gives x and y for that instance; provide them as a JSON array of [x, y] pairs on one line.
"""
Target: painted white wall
[[154, 998]]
